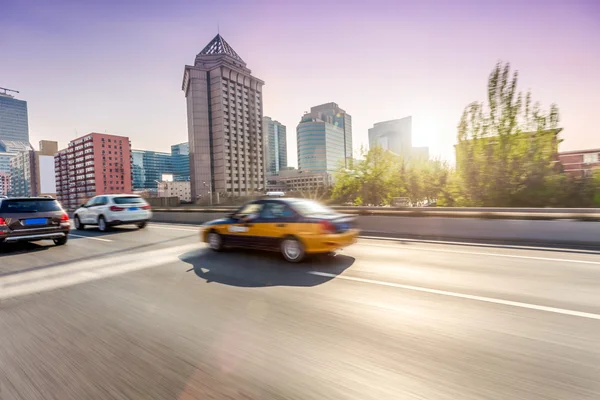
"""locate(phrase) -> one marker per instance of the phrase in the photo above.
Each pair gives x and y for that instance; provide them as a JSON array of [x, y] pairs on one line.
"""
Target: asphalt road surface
[[152, 314]]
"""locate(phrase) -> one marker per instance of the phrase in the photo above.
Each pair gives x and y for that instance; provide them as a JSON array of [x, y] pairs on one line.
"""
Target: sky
[[117, 66]]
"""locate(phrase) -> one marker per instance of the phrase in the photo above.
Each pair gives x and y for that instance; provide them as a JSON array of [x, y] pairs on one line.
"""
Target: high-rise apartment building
[[275, 141], [324, 138], [14, 124], [224, 108], [94, 164]]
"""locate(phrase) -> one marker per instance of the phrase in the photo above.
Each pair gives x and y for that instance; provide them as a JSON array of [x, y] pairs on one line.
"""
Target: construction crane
[[6, 90]]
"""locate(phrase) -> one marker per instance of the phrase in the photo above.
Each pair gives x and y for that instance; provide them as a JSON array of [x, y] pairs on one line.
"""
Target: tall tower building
[[14, 125], [394, 135], [224, 109], [274, 136], [324, 139]]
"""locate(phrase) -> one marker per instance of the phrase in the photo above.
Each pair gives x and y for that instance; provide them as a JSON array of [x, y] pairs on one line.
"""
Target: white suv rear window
[[128, 200]]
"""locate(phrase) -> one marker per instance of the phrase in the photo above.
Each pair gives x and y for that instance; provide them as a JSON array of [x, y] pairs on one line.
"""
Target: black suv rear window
[[27, 206], [128, 200]]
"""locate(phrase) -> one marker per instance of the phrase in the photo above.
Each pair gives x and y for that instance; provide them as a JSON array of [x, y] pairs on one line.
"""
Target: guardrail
[[582, 214]]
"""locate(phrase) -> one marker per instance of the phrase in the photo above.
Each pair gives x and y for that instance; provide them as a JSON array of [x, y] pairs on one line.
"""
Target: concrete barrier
[[584, 214], [556, 232]]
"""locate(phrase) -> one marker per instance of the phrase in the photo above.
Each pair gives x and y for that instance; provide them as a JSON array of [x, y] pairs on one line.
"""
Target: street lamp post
[[209, 191]]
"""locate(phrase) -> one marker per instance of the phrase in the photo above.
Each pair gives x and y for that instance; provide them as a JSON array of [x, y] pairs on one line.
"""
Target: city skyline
[[430, 63]]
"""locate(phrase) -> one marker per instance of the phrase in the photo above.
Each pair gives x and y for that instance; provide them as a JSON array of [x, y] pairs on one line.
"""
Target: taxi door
[[276, 220], [243, 232]]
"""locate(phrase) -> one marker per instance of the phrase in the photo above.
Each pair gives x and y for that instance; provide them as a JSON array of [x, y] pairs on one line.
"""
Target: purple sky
[[116, 66]]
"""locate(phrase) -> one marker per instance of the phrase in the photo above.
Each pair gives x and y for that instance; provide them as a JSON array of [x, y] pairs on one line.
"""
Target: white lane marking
[[500, 246], [79, 272], [173, 229], [463, 296], [479, 253], [90, 237]]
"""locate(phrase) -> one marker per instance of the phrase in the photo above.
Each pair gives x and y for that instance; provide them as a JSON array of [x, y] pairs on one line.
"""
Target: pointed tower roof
[[219, 46]]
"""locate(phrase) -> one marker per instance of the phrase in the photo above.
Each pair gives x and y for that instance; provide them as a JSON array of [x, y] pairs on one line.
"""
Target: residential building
[[180, 155], [149, 167], [4, 184], [224, 108], [92, 165], [14, 123], [580, 163], [291, 179], [175, 189], [32, 172], [324, 138], [274, 137]]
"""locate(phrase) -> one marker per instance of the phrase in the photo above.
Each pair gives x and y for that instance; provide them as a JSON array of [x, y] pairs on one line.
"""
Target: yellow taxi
[[295, 227]]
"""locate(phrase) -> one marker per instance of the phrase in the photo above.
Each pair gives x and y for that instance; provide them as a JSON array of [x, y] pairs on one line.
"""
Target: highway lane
[[152, 314]]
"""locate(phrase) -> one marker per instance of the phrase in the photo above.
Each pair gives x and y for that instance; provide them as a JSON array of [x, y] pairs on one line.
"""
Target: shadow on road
[[246, 268], [94, 232], [11, 249]]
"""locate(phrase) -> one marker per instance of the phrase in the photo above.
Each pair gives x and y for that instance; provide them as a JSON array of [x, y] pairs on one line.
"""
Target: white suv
[[113, 209]]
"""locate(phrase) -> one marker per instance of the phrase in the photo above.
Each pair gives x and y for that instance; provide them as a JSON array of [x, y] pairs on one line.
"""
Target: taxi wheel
[[215, 241], [292, 250]]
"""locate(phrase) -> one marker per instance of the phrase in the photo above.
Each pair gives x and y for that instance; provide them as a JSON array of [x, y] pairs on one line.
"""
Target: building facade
[[224, 108], [396, 136], [93, 164], [149, 167], [4, 184], [14, 124], [291, 179], [275, 141], [580, 163], [175, 189], [32, 172], [180, 156], [324, 137], [8, 149]]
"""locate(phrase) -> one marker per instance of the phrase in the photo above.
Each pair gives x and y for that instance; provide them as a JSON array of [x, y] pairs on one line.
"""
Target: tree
[[506, 153]]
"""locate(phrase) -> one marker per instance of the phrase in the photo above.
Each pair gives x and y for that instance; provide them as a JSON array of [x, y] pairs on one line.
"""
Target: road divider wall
[[543, 231]]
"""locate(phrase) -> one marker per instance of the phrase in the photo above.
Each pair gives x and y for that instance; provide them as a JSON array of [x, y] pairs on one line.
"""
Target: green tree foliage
[[506, 152], [506, 157], [380, 176]]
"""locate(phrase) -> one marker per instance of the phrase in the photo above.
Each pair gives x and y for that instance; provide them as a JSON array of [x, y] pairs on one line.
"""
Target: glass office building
[[275, 140], [324, 139], [148, 168], [13, 119], [180, 155]]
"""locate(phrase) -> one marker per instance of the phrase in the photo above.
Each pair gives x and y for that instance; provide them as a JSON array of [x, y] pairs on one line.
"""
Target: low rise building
[[183, 190], [291, 179], [580, 163]]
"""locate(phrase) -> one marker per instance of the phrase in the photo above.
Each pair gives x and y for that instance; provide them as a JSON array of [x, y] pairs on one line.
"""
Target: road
[[152, 314]]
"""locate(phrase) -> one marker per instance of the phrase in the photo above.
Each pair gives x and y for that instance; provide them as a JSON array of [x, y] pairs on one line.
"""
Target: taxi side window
[[248, 209], [276, 211]]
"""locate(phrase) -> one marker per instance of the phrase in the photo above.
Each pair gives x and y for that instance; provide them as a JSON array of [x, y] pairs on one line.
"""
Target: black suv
[[33, 218]]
